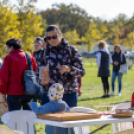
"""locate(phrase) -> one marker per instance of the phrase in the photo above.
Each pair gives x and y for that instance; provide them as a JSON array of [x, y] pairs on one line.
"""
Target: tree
[[92, 35], [30, 24], [103, 32], [8, 25], [129, 41], [72, 37], [68, 17]]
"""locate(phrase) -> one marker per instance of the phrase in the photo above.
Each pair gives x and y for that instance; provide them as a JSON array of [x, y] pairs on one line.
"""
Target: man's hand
[[64, 68]]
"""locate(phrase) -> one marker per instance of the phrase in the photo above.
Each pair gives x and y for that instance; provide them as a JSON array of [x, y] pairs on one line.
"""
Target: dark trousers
[[44, 99], [105, 84], [70, 99], [15, 102]]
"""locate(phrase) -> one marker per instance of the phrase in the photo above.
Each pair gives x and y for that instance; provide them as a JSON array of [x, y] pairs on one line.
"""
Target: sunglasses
[[53, 37]]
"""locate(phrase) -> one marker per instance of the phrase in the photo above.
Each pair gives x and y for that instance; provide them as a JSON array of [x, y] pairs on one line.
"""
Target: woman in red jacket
[[12, 75]]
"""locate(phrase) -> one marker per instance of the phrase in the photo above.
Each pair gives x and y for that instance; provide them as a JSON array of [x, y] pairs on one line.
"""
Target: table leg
[[115, 130], [69, 130], [55, 130]]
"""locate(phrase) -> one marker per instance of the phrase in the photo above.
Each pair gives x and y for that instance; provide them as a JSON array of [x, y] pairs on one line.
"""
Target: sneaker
[[119, 94], [104, 96], [112, 93], [107, 96]]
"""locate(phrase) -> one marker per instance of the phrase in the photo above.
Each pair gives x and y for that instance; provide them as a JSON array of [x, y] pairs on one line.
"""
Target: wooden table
[[80, 123]]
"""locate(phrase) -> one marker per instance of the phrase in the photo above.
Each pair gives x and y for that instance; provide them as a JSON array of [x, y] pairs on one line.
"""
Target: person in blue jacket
[[55, 105]]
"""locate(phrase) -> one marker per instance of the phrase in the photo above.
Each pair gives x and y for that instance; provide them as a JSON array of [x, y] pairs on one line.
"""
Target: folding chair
[[20, 120]]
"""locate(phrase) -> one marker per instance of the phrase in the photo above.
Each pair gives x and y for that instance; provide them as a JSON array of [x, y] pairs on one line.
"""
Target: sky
[[105, 9]]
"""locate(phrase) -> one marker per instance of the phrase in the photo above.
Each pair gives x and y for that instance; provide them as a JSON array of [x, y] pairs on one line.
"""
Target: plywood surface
[[68, 116]]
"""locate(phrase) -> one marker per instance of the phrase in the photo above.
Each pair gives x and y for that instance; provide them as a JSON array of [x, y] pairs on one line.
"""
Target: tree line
[[24, 21]]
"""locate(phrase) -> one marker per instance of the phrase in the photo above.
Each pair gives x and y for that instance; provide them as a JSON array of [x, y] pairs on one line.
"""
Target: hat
[[56, 92], [39, 40]]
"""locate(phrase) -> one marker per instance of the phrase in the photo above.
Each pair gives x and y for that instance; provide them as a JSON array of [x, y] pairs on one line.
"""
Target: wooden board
[[122, 115], [68, 116]]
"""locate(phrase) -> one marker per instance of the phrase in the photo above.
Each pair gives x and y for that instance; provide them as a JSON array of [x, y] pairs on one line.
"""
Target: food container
[[123, 111]]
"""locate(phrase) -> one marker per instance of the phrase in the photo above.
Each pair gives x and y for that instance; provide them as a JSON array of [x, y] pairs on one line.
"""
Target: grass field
[[92, 91]]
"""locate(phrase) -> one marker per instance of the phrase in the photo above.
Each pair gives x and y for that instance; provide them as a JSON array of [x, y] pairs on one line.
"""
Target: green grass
[[92, 91]]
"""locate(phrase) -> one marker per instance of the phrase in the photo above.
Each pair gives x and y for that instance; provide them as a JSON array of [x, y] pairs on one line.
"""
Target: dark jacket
[[12, 73], [117, 57], [63, 54], [39, 57], [104, 70]]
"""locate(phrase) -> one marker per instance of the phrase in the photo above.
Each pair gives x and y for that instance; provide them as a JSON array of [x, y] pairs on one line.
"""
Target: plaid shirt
[[63, 54]]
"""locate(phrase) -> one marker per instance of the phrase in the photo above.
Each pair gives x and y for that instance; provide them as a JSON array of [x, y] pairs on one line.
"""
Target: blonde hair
[[102, 44]]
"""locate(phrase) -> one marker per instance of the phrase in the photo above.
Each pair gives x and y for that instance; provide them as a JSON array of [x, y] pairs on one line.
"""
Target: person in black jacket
[[103, 61], [65, 66], [116, 57]]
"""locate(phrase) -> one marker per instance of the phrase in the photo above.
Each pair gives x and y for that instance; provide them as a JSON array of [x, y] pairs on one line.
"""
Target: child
[[55, 105], [103, 61]]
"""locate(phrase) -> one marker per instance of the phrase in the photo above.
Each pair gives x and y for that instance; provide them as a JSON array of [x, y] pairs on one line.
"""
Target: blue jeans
[[15, 102], [119, 75], [44, 99], [70, 99]]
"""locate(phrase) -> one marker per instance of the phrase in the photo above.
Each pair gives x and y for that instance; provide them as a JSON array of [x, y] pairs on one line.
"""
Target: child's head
[[38, 44], [102, 44], [56, 92]]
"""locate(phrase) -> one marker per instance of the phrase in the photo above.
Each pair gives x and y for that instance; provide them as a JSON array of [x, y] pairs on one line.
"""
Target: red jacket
[[12, 73]]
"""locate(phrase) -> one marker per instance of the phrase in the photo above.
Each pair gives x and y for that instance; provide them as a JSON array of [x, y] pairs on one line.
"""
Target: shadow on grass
[[96, 98], [119, 102]]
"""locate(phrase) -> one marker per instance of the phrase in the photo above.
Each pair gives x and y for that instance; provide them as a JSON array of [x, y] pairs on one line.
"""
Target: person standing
[[12, 75], [116, 57], [79, 86], [103, 61], [38, 43], [65, 66]]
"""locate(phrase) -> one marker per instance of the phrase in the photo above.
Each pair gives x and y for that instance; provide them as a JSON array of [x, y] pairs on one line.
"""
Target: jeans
[[119, 75], [70, 99], [15, 102], [44, 99]]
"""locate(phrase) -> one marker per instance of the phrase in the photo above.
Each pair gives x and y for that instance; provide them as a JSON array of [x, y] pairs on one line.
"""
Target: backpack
[[31, 86]]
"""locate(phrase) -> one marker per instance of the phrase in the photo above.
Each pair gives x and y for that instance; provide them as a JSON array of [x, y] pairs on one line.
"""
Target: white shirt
[[99, 57]]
